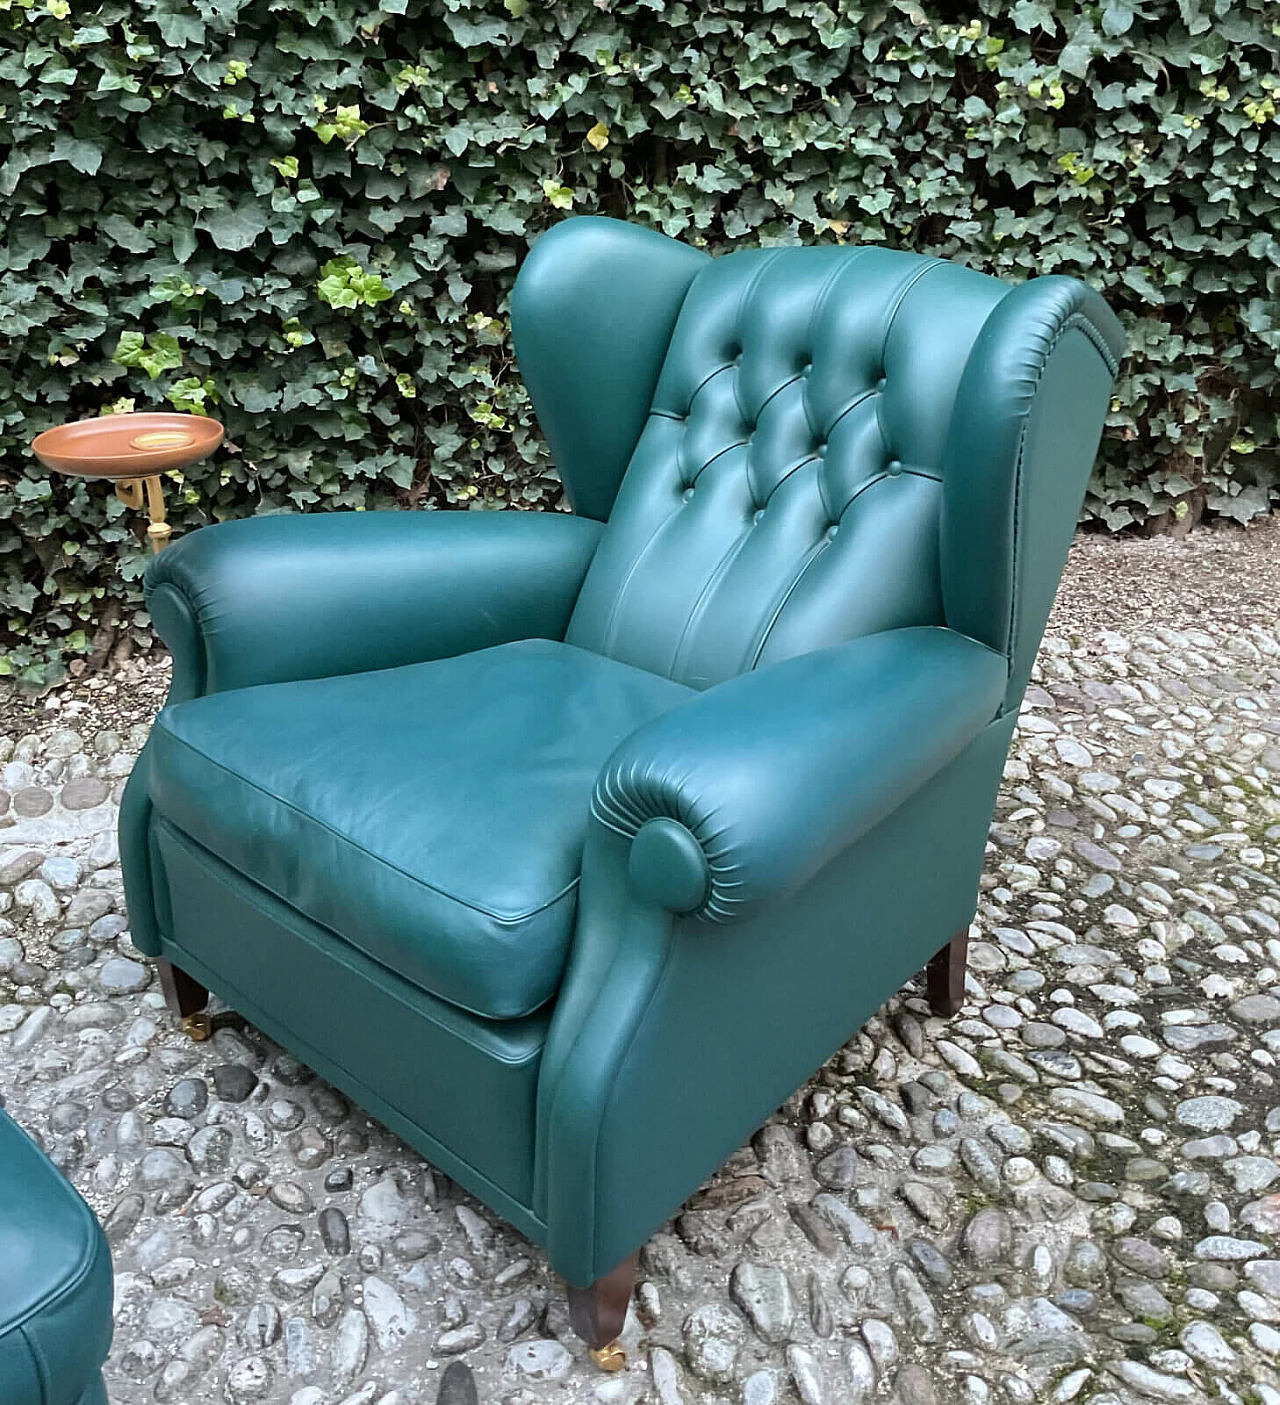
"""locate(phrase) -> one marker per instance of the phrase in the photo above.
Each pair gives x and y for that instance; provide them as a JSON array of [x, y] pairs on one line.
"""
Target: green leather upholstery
[[1027, 421], [360, 591], [472, 902], [777, 771], [55, 1283], [400, 1053], [592, 377], [531, 902], [626, 1130], [785, 491]]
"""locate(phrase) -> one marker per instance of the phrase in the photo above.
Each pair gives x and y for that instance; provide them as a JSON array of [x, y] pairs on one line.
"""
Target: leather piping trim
[[615, 610], [72, 1282], [698, 609], [43, 1381], [1073, 322], [1078, 322], [506, 919], [654, 991], [246, 1002], [248, 892], [815, 552], [615, 805]]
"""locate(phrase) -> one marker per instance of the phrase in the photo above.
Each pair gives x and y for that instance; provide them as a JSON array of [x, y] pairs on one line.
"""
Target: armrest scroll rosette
[[739, 796]]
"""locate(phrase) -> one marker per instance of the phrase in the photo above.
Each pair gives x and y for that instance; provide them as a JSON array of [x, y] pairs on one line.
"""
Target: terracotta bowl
[[127, 446]]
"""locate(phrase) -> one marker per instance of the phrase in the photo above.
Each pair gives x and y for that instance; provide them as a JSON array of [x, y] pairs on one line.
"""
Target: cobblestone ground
[[1070, 1192]]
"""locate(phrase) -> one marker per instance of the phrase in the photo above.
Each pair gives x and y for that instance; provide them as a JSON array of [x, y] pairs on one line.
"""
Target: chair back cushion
[[786, 488]]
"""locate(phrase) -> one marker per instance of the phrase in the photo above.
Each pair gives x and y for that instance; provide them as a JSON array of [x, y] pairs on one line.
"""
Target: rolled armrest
[[267, 599], [742, 794]]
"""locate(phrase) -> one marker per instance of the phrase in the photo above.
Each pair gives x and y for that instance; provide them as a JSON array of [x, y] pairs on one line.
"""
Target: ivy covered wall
[[305, 217]]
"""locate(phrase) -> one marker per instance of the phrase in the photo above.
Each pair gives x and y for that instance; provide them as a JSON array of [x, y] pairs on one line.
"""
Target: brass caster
[[610, 1358], [198, 1026]]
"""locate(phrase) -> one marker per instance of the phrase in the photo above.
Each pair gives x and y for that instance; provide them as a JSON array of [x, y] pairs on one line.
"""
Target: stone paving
[[1071, 1192]]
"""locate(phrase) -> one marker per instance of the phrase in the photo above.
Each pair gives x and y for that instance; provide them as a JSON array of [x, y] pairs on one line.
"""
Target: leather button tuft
[[757, 515], [820, 449], [832, 530], [880, 385], [893, 468], [686, 495], [806, 368]]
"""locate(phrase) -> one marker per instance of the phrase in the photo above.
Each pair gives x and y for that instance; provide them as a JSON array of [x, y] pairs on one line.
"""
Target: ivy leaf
[[154, 353], [178, 31], [1033, 14], [1080, 50], [85, 156], [127, 235], [559, 195], [183, 241], [1117, 17], [235, 227], [598, 136]]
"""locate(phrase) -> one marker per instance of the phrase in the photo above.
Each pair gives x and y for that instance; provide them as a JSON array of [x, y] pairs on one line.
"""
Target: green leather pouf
[[55, 1283]]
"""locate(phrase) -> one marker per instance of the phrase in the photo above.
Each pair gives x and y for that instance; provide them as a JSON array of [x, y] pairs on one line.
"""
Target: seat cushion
[[433, 815], [55, 1282]]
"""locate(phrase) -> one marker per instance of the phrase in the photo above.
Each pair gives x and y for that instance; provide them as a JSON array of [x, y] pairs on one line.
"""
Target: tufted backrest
[[786, 488]]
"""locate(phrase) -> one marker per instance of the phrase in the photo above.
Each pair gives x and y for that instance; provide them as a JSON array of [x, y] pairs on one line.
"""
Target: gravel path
[[1070, 1192]]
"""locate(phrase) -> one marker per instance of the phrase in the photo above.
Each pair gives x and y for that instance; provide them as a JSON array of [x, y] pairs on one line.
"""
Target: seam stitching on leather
[[773, 395], [609, 639], [699, 388], [850, 407], [658, 985], [748, 289], [78, 1274], [870, 483], [810, 556], [841, 267], [41, 1365], [702, 603], [185, 842], [719, 454], [930, 265], [505, 919], [1075, 320], [462, 1160]]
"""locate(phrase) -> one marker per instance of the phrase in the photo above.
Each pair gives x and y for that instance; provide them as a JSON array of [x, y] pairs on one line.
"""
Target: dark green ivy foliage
[[305, 216]]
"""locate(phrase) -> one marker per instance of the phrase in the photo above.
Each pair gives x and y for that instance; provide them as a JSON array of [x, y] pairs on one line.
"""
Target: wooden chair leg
[[186, 997], [457, 1385], [945, 975], [597, 1313]]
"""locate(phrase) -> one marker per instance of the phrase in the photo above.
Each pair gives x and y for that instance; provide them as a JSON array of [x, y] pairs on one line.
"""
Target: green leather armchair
[[521, 828]]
